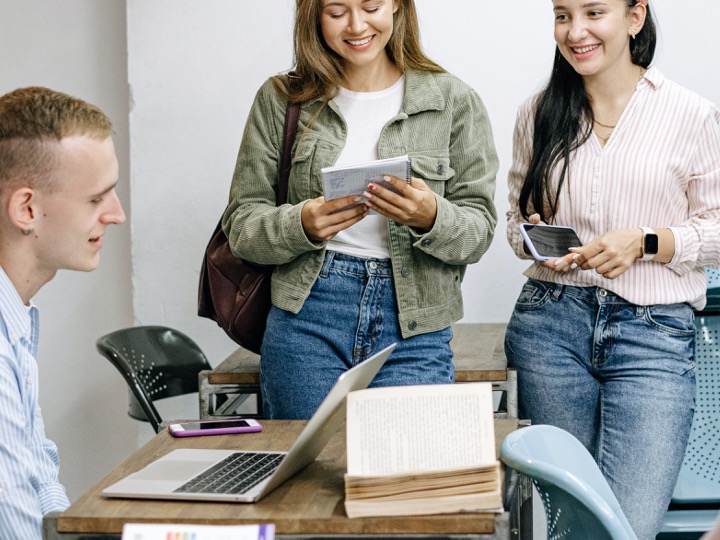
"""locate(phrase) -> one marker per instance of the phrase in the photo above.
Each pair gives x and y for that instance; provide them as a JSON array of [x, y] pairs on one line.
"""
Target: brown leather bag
[[236, 293]]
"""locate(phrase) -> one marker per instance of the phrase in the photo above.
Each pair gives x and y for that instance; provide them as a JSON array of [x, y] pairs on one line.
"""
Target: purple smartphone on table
[[214, 427]]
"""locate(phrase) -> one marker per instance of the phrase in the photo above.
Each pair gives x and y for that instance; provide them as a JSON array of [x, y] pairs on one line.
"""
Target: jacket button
[[426, 242], [405, 272], [440, 168], [412, 325]]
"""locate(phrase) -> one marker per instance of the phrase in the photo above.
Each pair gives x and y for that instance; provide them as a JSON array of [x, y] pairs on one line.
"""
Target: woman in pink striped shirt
[[603, 337]]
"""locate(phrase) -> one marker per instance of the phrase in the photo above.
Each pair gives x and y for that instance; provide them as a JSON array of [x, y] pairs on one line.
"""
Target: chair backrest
[[578, 501], [713, 289], [156, 362], [699, 479]]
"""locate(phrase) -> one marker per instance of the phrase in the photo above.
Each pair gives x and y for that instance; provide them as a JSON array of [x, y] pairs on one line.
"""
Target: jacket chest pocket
[[434, 169], [301, 168], [311, 155]]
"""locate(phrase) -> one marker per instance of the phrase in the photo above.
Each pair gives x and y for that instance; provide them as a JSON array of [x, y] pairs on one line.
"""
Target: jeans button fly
[[602, 292]]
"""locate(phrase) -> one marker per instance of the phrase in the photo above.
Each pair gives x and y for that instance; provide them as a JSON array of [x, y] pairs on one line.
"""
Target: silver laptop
[[246, 476]]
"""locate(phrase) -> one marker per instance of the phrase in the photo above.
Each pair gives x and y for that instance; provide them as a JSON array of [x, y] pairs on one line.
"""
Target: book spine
[[408, 171]]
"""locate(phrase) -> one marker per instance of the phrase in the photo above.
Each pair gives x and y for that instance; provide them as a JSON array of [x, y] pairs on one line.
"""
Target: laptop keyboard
[[235, 474]]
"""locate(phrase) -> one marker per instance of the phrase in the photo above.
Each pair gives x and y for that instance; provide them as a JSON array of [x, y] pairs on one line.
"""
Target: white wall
[[78, 47], [193, 68]]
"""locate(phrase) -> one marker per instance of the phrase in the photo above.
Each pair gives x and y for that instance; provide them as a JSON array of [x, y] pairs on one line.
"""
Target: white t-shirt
[[365, 114]]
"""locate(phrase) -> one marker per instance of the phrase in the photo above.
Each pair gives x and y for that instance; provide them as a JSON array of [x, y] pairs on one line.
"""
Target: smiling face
[[593, 35], [358, 31], [71, 217]]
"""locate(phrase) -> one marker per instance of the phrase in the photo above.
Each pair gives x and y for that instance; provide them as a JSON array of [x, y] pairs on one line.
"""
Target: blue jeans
[[619, 377], [351, 314]]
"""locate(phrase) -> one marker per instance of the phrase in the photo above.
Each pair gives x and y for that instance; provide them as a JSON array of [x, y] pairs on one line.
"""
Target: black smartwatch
[[650, 244]]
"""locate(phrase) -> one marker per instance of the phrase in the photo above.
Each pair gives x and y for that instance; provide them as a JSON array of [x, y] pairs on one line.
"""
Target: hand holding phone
[[547, 242], [214, 427]]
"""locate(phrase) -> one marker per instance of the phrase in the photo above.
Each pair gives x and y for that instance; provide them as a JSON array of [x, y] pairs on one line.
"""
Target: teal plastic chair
[[713, 290], [579, 504], [696, 499]]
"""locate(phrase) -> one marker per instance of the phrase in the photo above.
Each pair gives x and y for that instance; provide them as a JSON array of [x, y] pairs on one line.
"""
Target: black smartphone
[[547, 242]]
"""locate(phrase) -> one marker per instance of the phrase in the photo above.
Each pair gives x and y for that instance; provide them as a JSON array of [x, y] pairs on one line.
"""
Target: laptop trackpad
[[171, 470]]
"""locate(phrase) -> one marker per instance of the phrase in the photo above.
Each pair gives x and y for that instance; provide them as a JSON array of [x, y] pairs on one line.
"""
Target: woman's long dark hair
[[560, 111]]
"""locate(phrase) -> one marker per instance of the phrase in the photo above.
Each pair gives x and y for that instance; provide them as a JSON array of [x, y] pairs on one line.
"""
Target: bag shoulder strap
[[291, 122]]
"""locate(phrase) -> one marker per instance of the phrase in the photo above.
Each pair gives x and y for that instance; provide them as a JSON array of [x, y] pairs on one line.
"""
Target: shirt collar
[[653, 77], [20, 320], [422, 92]]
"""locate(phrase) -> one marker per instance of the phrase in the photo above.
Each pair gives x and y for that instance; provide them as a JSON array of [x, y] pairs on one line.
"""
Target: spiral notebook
[[354, 179]]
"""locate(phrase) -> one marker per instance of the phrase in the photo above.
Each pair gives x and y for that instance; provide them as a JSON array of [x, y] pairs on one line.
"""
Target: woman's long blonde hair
[[319, 70]]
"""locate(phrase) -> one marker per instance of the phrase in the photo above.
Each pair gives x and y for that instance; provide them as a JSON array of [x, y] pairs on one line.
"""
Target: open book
[[354, 179], [414, 450]]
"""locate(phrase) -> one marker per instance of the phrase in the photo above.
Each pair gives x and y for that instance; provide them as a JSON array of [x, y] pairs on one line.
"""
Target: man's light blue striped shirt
[[29, 464]]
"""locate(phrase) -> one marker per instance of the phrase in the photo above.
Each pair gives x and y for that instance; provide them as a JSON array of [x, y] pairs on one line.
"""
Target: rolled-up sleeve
[[697, 241]]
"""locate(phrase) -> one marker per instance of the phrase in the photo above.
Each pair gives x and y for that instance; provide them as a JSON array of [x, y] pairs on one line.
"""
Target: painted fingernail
[[559, 262], [573, 266], [386, 179], [575, 255], [371, 186]]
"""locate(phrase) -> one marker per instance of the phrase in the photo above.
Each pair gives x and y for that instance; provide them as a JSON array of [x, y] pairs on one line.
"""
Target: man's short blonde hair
[[32, 121]]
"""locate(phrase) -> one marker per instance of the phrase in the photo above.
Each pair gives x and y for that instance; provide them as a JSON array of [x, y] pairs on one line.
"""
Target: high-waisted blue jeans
[[619, 377], [351, 314]]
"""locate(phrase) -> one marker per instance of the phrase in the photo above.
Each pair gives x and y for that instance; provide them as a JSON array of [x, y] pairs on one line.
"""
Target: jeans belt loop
[[557, 292], [329, 256]]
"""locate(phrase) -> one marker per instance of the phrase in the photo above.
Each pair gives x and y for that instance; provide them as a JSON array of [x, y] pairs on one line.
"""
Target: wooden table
[[306, 506], [479, 355]]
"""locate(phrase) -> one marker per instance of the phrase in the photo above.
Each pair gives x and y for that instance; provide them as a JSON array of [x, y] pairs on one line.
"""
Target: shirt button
[[412, 325], [440, 168], [405, 272], [2, 493], [13, 337], [29, 379]]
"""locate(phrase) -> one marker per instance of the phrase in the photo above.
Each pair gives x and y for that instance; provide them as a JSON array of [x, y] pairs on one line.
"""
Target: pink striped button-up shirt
[[660, 168]]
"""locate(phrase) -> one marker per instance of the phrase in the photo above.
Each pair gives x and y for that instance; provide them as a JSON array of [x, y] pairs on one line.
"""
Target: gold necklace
[[603, 125]]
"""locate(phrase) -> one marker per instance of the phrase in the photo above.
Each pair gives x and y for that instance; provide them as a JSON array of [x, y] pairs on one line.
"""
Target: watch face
[[651, 244]]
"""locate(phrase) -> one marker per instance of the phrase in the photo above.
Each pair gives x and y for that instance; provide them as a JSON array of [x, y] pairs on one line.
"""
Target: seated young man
[[58, 173]]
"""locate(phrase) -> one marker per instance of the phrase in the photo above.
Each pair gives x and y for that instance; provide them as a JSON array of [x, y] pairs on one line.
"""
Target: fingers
[[322, 220], [412, 204], [566, 263], [608, 255], [562, 264]]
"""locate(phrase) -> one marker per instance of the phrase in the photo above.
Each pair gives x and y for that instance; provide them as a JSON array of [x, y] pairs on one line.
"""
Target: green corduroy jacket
[[444, 128]]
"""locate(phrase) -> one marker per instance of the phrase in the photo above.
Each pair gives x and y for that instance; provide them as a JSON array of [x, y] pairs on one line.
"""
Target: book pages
[[420, 428]]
